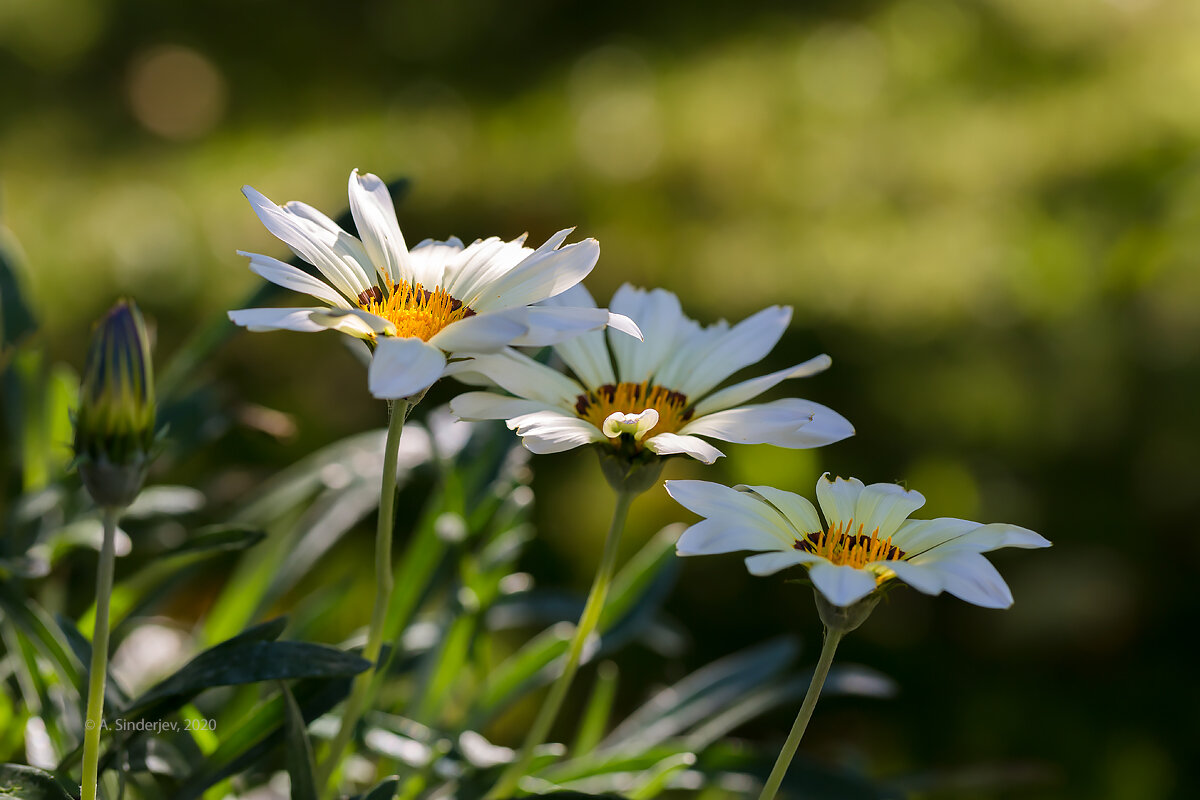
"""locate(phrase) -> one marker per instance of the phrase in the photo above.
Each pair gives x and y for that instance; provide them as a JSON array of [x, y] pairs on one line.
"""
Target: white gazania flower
[[653, 396], [865, 541], [418, 307]]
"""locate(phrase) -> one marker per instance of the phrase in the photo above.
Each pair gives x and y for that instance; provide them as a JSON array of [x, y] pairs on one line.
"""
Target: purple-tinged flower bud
[[114, 427]]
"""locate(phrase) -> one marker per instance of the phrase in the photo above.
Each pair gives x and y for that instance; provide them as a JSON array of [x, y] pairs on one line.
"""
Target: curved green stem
[[587, 625], [383, 593], [99, 670], [832, 637]]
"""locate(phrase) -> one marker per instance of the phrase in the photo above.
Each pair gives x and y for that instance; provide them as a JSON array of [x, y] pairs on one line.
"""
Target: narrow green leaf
[[638, 589], [580, 795], [165, 501], [425, 551], [16, 318], [35, 689], [267, 631], [164, 573], [701, 694], [448, 664], [298, 749], [323, 525], [82, 648], [600, 763], [508, 680], [35, 623], [260, 730], [843, 679], [384, 791], [41, 397], [656, 779], [298, 544], [594, 721], [630, 583], [215, 539], [29, 783], [238, 662]]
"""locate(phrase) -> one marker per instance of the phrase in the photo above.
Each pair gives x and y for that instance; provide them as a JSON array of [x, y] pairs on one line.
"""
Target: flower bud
[[114, 427]]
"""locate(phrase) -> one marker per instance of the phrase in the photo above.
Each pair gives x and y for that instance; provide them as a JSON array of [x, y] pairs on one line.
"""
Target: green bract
[[114, 426]]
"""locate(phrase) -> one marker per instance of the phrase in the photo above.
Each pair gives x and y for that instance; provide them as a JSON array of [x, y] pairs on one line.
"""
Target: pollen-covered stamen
[[844, 546], [631, 400], [413, 309]]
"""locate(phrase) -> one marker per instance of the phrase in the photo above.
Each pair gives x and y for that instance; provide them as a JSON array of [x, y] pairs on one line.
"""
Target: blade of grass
[[594, 721]]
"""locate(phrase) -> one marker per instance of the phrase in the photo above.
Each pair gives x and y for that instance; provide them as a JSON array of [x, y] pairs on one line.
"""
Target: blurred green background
[[987, 212]]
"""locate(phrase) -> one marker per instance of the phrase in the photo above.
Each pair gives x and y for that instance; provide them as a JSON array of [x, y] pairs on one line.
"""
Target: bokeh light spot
[[176, 93]]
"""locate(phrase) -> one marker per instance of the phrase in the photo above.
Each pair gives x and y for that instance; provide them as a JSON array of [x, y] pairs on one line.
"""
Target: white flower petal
[[841, 585], [921, 577], [403, 367], [770, 563], [462, 370], [481, 333], [289, 277], [791, 422], [744, 344], [520, 375], [994, 536], [345, 248], [277, 319], [474, 406], [666, 444], [687, 354], [659, 317], [971, 577], [723, 535], [553, 432], [482, 263], [546, 272], [430, 260], [587, 354], [920, 535], [375, 217], [837, 499], [353, 321], [622, 323], [311, 216], [797, 509], [555, 325], [313, 237], [884, 506], [737, 509], [748, 390]]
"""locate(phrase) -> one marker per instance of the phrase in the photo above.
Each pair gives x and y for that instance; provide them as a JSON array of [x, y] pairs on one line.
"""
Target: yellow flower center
[[634, 398], [413, 309], [844, 546]]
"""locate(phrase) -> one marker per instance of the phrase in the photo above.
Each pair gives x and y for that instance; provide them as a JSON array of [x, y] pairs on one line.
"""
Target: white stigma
[[638, 424]]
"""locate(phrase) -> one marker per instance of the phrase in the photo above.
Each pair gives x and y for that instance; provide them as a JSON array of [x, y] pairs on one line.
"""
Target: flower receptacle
[[626, 474], [844, 619]]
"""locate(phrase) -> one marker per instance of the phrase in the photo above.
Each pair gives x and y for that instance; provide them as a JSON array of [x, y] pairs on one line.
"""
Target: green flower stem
[[99, 670], [832, 637], [383, 593], [587, 625]]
